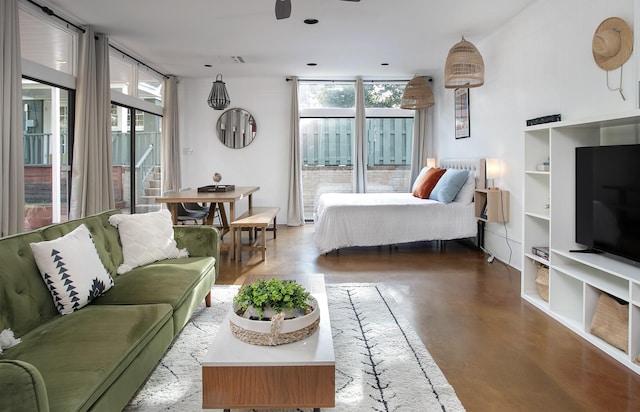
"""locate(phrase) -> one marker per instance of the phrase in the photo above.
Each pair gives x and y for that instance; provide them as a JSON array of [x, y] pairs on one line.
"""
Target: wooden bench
[[254, 219]]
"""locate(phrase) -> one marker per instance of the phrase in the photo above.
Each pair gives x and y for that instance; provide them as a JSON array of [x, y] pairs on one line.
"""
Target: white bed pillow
[[146, 238], [449, 185], [465, 195], [419, 177], [71, 269]]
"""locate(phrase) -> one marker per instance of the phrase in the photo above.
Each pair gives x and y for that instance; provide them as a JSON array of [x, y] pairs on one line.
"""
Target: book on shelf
[[483, 213], [541, 251]]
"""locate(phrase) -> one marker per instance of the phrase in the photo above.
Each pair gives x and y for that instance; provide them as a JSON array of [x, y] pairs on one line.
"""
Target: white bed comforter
[[372, 219]]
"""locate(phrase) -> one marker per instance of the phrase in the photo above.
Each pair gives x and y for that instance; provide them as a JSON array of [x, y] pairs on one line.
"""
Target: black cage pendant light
[[219, 98]]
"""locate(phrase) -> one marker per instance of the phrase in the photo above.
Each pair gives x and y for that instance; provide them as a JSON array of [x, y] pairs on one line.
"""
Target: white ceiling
[[180, 37]]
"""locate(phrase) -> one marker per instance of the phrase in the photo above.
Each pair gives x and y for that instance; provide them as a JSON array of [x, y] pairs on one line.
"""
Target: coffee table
[[301, 374]]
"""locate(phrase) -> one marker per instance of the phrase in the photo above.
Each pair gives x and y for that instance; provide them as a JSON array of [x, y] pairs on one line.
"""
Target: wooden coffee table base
[[269, 387]]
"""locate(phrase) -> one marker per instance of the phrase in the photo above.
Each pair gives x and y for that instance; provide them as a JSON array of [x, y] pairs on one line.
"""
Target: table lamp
[[493, 170]]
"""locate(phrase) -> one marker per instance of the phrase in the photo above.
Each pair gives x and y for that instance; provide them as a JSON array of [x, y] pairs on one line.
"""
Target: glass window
[[136, 159], [383, 94], [121, 157], [43, 42], [327, 158], [121, 71], [148, 158], [150, 86], [327, 131], [134, 79], [319, 95], [389, 142], [47, 146]]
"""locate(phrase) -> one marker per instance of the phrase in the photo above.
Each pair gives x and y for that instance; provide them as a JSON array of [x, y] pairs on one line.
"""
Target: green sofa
[[97, 357]]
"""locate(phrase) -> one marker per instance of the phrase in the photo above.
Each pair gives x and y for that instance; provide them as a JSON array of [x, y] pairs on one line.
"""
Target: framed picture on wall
[[463, 126]]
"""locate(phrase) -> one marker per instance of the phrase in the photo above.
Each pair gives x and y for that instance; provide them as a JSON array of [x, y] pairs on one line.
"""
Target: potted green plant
[[262, 299]]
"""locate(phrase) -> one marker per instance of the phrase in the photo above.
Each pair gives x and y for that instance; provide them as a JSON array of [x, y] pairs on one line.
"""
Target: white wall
[[263, 163], [540, 63]]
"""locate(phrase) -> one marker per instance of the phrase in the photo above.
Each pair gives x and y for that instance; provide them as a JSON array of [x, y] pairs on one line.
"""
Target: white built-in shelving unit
[[575, 279]]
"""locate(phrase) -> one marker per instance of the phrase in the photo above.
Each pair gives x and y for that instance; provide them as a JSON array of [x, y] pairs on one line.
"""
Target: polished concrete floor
[[498, 351]]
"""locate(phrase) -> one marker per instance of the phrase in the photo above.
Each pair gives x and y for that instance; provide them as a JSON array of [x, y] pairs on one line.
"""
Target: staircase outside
[[151, 189]]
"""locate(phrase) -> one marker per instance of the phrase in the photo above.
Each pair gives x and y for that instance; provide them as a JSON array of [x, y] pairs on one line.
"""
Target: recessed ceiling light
[[384, 64], [312, 64], [311, 21], [207, 65]]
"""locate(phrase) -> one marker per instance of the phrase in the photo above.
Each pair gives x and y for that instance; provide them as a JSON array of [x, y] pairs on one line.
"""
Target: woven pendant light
[[464, 66], [219, 98], [418, 94]]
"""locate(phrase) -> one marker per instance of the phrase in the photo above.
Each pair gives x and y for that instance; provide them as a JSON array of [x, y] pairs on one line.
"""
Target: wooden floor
[[498, 352]]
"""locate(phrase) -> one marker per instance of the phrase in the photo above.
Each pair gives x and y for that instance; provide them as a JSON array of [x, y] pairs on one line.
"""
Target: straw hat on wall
[[612, 43]]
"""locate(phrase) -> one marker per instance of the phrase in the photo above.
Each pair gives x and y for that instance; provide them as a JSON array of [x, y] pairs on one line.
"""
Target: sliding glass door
[[389, 137], [327, 132], [46, 121], [137, 156]]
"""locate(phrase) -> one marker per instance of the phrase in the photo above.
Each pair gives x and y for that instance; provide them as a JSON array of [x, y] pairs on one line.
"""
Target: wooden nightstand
[[492, 205]]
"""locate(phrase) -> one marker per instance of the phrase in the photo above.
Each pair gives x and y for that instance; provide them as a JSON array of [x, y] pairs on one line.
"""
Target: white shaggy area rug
[[381, 364]]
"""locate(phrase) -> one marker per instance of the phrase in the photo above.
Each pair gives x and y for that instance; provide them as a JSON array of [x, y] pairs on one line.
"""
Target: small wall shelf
[[492, 205]]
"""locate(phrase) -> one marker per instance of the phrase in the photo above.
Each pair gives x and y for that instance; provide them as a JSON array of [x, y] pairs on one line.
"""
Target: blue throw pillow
[[449, 185]]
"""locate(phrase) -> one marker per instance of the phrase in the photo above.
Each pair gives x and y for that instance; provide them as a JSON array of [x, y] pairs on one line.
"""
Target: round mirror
[[236, 128]]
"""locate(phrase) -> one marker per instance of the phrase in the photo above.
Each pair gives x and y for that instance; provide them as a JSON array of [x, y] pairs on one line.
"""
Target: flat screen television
[[608, 199]]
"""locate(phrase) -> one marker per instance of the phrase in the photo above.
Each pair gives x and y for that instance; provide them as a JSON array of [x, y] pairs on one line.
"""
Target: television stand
[[578, 279]]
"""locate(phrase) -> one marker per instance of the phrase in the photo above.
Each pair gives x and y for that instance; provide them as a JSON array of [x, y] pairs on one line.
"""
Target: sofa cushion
[[180, 283], [169, 281], [25, 301], [71, 269], [146, 238], [81, 354]]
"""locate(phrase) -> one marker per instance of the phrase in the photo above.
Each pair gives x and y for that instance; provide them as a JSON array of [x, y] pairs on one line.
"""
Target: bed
[[375, 219]]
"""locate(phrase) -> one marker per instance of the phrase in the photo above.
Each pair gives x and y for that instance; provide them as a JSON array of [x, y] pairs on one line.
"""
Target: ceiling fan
[[283, 8]]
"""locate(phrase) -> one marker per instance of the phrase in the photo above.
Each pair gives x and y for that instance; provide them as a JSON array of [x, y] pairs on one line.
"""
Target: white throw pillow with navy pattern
[[71, 269]]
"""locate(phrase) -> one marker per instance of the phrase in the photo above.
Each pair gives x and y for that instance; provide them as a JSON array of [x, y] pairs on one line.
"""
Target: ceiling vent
[[237, 59]]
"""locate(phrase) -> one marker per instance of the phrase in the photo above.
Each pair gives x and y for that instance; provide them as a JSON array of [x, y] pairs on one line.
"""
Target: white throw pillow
[[465, 195], [146, 238], [71, 269]]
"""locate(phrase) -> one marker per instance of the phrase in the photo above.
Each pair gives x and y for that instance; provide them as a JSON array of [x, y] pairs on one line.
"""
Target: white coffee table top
[[226, 350]]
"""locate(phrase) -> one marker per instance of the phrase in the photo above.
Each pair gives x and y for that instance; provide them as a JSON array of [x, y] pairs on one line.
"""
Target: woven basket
[[542, 281], [277, 331], [611, 322]]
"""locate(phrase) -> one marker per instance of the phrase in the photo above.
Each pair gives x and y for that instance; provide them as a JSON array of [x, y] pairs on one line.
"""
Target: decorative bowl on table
[[273, 312]]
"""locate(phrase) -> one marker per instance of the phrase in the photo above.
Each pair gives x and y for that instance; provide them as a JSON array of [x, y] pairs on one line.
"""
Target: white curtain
[[421, 143], [295, 205], [360, 142], [171, 179], [11, 147], [91, 182]]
